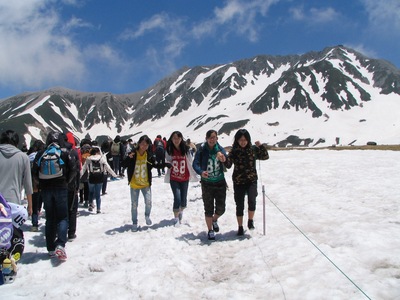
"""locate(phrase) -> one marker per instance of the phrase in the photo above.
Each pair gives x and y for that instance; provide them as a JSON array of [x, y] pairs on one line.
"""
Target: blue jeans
[[179, 189], [94, 192], [56, 206], [116, 164], [135, 200]]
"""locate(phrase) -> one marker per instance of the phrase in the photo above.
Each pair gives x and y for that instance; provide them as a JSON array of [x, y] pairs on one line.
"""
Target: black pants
[[72, 212], [84, 193], [160, 160], [214, 192], [104, 187], [240, 192]]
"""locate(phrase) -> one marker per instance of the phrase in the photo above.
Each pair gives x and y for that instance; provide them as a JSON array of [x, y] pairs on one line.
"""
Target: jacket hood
[[71, 139], [8, 150]]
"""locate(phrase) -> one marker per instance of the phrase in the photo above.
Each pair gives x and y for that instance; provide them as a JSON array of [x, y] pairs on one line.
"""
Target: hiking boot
[[60, 253], [98, 211], [34, 229], [240, 231], [71, 237], [211, 235], [134, 228], [250, 224], [215, 226], [148, 221], [91, 207], [52, 254]]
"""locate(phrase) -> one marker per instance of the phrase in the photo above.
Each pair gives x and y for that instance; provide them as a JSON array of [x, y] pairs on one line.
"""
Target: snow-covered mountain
[[336, 96]]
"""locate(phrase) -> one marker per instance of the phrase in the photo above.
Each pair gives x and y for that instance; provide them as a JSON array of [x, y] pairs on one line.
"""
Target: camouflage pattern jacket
[[244, 160]]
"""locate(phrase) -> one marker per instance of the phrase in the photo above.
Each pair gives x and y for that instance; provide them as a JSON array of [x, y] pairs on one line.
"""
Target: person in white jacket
[[96, 164], [178, 160]]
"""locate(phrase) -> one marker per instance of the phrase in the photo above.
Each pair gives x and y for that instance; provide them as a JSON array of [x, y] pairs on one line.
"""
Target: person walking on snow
[[54, 191], [208, 163], [139, 164], [244, 155], [179, 161], [96, 165]]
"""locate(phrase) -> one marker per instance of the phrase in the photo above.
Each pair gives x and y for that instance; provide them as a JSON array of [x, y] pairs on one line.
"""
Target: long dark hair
[[144, 138], [238, 135], [183, 148]]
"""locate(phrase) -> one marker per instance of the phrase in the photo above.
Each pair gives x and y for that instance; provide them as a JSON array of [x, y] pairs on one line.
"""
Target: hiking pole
[[263, 192]]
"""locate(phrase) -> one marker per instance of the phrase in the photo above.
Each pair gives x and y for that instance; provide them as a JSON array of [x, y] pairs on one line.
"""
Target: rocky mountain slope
[[335, 96]]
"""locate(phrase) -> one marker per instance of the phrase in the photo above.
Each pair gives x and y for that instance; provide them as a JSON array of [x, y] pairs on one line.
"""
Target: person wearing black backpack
[[96, 165], [55, 168]]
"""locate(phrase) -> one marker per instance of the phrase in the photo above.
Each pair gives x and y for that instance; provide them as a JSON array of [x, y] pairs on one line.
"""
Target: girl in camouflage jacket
[[244, 155]]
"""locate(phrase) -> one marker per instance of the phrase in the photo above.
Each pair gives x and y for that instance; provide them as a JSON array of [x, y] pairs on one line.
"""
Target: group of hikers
[[62, 173]]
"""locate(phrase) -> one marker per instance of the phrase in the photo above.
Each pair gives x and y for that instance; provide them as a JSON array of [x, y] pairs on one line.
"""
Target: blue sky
[[124, 46]]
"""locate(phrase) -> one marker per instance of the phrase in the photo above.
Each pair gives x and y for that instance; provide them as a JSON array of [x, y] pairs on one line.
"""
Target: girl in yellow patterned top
[[139, 163]]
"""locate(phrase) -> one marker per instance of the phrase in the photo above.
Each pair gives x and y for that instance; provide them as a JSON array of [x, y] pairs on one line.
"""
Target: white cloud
[[237, 17], [363, 49], [383, 15], [314, 15], [161, 53], [38, 48], [172, 28], [33, 50], [76, 23]]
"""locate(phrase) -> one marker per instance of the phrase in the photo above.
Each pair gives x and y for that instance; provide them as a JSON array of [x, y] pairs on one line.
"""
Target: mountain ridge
[[295, 92]]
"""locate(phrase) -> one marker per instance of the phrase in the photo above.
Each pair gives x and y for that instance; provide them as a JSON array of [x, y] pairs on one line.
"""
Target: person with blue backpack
[[56, 169]]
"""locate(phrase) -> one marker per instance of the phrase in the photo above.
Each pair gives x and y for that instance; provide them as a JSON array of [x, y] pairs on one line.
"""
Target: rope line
[[319, 249], [344, 274]]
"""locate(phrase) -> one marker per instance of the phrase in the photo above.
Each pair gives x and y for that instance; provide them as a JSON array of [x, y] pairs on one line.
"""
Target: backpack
[[115, 149], [50, 163], [96, 172], [6, 224], [159, 144]]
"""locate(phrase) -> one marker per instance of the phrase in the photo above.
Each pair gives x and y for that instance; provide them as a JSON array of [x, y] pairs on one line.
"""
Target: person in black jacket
[[139, 163], [54, 193], [73, 188]]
